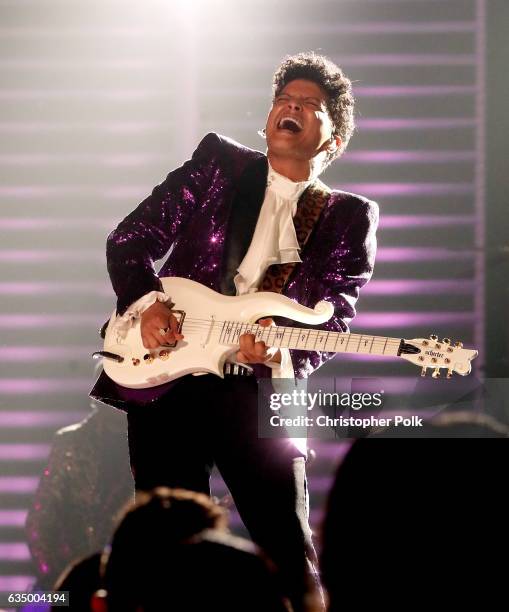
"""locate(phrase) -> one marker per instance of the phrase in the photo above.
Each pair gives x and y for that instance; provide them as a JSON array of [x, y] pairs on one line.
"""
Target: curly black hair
[[338, 87]]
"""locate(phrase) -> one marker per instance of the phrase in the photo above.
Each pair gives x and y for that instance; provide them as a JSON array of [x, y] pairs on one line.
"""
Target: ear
[[333, 144], [98, 601]]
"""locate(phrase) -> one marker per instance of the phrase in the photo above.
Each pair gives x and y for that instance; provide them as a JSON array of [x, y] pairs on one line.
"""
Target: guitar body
[[204, 315], [212, 323]]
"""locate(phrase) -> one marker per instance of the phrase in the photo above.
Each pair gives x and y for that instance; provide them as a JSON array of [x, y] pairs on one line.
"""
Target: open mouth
[[291, 124]]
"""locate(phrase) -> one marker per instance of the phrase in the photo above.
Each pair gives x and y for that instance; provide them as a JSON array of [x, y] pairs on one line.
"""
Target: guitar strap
[[309, 208]]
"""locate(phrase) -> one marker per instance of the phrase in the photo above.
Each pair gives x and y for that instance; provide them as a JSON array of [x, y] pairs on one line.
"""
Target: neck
[[294, 169], [305, 339]]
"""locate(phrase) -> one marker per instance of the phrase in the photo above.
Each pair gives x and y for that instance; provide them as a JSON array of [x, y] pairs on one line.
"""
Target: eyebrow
[[306, 98]]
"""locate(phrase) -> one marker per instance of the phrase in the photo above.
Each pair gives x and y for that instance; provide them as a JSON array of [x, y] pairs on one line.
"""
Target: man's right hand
[[153, 320]]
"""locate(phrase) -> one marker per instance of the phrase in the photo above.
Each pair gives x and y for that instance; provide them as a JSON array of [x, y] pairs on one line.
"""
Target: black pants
[[204, 420]]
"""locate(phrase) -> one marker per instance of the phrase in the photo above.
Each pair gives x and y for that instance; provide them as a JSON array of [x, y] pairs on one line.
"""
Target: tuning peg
[[423, 371], [458, 344], [433, 337], [446, 341], [449, 373], [436, 373]]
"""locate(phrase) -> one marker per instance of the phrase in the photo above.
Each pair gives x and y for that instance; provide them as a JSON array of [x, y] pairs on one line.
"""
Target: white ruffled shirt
[[274, 241]]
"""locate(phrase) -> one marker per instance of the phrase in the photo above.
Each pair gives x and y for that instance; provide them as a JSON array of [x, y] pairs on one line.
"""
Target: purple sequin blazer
[[202, 217]]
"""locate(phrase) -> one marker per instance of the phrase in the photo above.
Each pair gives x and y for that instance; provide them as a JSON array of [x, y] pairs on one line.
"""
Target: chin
[[280, 145], [283, 152]]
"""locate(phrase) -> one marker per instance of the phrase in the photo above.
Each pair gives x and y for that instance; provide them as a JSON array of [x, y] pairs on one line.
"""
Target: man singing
[[238, 220]]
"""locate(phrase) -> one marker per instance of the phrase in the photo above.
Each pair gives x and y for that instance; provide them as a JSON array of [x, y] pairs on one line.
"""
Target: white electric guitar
[[212, 323]]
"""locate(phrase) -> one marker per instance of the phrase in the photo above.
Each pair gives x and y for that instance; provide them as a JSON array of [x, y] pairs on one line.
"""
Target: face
[[299, 126]]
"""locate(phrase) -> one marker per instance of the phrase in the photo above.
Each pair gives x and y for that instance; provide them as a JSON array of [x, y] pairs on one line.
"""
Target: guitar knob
[[436, 373], [449, 374], [433, 337], [446, 341], [423, 371], [458, 344]]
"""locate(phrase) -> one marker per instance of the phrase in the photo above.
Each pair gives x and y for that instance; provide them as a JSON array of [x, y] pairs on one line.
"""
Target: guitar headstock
[[439, 355]]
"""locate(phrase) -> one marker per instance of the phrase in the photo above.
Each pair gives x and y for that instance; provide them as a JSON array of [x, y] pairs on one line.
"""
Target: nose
[[294, 104]]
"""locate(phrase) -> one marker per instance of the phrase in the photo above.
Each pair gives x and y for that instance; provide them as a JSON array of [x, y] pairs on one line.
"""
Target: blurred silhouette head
[[410, 501], [148, 535], [213, 570]]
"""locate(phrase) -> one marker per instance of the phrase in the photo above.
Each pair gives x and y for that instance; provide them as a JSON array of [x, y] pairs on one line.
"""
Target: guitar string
[[312, 332], [217, 324], [374, 342], [298, 339], [192, 325]]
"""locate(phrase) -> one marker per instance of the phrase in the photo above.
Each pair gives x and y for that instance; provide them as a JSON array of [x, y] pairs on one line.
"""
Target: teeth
[[292, 119]]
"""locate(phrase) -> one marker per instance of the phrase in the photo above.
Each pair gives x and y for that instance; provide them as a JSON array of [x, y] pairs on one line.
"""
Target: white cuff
[[231, 358], [124, 323], [283, 369], [279, 370], [271, 351]]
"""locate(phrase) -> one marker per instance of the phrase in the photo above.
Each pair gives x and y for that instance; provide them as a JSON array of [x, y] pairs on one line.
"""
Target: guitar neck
[[306, 339]]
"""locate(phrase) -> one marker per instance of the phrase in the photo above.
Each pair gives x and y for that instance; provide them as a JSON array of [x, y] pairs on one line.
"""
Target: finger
[[266, 322], [159, 322], [168, 338], [240, 356], [251, 357], [174, 325], [162, 322], [246, 343], [154, 333], [150, 341], [260, 349]]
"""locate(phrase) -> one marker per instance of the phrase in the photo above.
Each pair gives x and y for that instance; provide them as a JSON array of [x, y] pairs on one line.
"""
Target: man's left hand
[[256, 352]]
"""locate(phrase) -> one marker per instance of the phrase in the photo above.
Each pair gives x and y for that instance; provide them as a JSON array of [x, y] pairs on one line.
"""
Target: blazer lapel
[[246, 205]]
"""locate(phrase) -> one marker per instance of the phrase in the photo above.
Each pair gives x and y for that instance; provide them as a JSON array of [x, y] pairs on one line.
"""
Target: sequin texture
[[85, 485], [187, 217]]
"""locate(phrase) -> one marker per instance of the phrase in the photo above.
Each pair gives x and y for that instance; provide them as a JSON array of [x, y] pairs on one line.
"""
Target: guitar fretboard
[[310, 339]]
